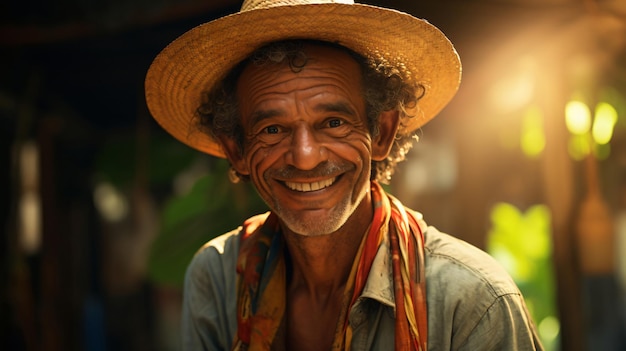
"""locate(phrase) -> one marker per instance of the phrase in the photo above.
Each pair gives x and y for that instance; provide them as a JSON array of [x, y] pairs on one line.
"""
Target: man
[[315, 102]]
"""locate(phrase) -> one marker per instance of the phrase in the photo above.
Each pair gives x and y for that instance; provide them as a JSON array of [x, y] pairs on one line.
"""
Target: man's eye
[[272, 130], [334, 123]]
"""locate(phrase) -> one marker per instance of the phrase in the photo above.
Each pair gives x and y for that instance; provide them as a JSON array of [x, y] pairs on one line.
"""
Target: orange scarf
[[261, 284]]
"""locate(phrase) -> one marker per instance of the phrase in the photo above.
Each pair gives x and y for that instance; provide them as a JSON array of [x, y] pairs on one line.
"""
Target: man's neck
[[321, 264], [320, 267]]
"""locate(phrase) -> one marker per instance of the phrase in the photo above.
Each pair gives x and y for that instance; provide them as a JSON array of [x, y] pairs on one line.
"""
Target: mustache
[[324, 169]]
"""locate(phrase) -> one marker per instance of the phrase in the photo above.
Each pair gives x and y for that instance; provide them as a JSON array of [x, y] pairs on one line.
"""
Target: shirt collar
[[379, 284]]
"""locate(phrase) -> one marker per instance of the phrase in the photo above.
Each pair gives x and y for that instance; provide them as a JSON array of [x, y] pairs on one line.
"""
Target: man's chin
[[312, 224], [321, 221], [313, 229]]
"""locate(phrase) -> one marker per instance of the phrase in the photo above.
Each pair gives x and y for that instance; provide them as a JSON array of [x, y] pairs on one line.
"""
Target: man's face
[[307, 146]]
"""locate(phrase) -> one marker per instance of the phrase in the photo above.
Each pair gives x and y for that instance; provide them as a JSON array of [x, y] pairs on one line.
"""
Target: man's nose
[[306, 150]]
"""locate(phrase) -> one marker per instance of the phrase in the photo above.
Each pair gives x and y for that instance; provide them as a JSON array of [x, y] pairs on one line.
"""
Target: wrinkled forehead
[[310, 60], [321, 71]]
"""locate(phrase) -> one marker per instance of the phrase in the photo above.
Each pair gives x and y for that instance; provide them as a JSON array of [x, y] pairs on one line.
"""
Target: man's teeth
[[310, 186]]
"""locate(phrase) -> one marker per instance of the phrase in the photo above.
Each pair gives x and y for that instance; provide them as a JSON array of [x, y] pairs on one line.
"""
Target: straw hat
[[201, 57]]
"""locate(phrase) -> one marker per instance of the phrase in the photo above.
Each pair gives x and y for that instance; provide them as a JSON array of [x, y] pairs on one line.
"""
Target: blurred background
[[102, 210]]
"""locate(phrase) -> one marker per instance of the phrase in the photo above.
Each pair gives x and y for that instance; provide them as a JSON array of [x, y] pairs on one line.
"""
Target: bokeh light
[[604, 122], [577, 117], [578, 147], [522, 243], [533, 139], [110, 202]]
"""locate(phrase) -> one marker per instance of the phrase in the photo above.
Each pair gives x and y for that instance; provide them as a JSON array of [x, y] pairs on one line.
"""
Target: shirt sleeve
[[209, 297], [473, 304], [506, 325]]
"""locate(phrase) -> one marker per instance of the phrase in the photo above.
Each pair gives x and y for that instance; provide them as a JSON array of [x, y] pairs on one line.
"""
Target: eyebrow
[[341, 107], [260, 115]]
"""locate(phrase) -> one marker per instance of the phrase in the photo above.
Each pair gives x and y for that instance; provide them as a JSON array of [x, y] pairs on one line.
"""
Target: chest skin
[[312, 321]]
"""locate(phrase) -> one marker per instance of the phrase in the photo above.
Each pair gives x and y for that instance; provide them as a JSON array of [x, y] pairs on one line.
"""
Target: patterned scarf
[[261, 270]]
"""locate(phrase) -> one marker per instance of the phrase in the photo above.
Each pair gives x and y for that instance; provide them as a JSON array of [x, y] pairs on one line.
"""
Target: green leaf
[[212, 207]]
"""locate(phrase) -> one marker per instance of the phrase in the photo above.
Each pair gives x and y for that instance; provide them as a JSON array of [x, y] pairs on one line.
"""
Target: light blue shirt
[[472, 302]]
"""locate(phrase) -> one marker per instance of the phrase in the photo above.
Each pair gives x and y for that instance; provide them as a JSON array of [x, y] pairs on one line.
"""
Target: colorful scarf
[[261, 270]]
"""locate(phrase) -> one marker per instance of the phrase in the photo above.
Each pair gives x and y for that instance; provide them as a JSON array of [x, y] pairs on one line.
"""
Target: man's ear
[[388, 122], [234, 154]]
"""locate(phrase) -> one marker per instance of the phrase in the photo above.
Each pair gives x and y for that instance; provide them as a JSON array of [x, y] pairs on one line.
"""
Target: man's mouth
[[314, 186]]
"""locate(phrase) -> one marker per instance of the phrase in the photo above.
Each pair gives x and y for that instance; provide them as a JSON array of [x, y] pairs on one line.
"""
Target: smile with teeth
[[305, 187]]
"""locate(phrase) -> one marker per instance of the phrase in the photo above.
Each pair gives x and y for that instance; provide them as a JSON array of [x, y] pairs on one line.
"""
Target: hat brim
[[193, 63]]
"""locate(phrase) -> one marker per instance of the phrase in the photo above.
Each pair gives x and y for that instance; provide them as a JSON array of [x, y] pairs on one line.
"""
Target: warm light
[[533, 137], [29, 202], [577, 117], [605, 119], [515, 90], [110, 202]]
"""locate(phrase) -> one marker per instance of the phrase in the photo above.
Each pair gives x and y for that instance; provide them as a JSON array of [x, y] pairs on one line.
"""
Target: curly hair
[[385, 88]]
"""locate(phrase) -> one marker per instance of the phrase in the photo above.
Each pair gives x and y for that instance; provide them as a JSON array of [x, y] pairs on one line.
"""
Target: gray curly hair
[[384, 88]]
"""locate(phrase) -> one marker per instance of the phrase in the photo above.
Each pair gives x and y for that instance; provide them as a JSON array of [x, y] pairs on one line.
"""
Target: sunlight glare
[[515, 90], [577, 117], [604, 122]]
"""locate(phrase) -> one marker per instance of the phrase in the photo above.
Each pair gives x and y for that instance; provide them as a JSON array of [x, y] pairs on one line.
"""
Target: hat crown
[[249, 5]]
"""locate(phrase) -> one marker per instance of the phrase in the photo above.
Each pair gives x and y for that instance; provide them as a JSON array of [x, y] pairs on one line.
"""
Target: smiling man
[[315, 102], [307, 146]]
